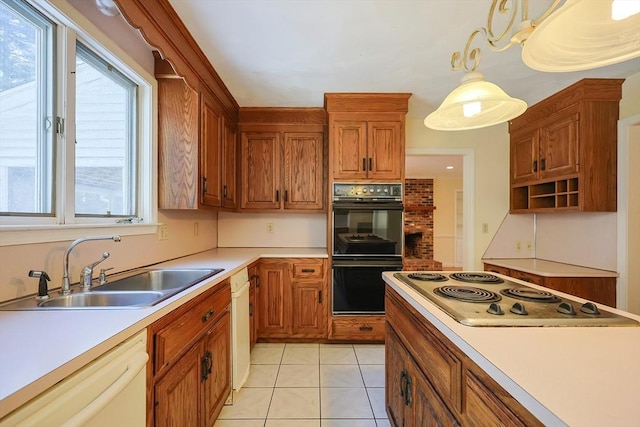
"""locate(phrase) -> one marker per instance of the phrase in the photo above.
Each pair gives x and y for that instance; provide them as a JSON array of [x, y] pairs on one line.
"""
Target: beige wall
[[491, 173], [630, 102], [633, 223], [444, 220]]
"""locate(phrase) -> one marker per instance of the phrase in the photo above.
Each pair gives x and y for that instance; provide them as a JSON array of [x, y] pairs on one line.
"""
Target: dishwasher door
[[240, 340], [110, 391]]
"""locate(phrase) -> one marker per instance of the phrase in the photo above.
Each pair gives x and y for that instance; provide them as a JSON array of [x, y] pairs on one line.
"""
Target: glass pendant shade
[[581, 35], [474, 104]]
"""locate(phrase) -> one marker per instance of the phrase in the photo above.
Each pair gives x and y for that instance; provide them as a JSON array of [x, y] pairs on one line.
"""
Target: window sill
[[23, 235]]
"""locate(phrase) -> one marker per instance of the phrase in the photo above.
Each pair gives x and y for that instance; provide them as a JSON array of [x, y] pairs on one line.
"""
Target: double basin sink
[[140, 288]]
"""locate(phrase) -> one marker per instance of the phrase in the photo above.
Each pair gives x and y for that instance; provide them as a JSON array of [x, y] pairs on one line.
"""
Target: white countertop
[[546, 268], [40, 348], [576, 376]]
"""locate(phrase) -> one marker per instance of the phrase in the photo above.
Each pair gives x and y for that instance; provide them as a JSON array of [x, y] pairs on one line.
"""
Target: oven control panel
[[350, 191]]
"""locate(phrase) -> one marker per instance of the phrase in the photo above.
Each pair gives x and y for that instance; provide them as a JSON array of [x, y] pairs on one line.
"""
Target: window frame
[[73, 27]]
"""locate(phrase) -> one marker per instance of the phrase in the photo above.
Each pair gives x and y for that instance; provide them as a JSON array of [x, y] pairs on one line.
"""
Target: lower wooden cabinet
[[292, 298], [190, 373], [597, 289], [357, 328], [430, 382]]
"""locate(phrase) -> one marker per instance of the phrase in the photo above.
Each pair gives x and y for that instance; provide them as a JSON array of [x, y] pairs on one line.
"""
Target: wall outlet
[[485, 227], [196, 229], [518, 245], [163, 232], [269, 227], [529, 246]]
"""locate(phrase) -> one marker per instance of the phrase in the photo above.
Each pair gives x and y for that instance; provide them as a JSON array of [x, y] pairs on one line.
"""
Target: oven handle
[[368, 263], [368, 205]]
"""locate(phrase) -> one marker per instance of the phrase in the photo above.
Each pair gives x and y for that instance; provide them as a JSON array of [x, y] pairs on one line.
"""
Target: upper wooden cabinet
[[366, 136], [282, 164], [563, 150], [196, 145]]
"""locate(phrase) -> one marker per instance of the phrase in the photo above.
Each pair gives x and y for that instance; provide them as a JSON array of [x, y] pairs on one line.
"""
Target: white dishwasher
[[110, 391], [240, 340]]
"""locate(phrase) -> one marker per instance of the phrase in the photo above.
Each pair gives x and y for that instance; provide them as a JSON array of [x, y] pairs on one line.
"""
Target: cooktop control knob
[[494, 308], [590, 308], [518, 308], [566, 308]]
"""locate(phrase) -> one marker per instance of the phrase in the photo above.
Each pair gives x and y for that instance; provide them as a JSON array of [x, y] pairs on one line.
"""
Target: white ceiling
[[290, 52]]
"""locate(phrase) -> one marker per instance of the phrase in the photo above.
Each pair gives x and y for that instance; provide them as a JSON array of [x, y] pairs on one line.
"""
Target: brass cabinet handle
[[208, 315], [319, 297], [308, 270], [535, 166], [366, 328], [364, 164]]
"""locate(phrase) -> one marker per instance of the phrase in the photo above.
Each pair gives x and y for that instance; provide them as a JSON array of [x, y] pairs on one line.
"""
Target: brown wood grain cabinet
[[292, 298], [563, 150], [282, 163], [196, 144], [189, 377], [431, 382], [357, 328], [597, 289], [366, 136]]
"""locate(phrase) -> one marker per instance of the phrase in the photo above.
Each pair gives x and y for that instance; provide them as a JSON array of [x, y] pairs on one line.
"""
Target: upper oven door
[[367, 229]]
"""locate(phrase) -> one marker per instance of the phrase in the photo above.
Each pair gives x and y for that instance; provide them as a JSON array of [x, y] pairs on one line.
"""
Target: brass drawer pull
[[208, 315], [308, 270], [366, 328]]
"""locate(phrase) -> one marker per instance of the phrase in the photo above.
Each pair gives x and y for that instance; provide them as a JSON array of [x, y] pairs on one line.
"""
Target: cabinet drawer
[[358, 328], [528, 277], [307, 269], [187, 323]]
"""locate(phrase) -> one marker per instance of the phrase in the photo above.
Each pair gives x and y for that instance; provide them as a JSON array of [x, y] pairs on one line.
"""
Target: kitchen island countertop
[[40, 348], [576, 376]]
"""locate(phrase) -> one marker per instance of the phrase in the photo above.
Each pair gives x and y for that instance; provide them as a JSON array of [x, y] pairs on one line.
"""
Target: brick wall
[[418, 225]]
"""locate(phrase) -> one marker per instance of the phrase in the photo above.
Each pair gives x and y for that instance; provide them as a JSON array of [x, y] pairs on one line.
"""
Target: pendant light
[[581, 35], [474, 104]]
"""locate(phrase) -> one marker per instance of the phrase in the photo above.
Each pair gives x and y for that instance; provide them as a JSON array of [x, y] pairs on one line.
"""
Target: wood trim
[[282, 116], [163, 29], [367, 102], [585, 90]]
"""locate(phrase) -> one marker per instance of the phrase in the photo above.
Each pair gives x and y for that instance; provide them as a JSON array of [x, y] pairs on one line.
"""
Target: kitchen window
[[75, 120]]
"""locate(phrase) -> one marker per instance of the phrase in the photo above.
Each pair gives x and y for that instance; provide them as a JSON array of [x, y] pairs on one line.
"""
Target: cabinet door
[[309, 308], [484, 407], [210, 150], [217, 386], [177, 145], [349, 149], [559, 147], [427, 408], [261, 170], [229, 157], [396, 378], [385, 157], [303, 171], [524, 156], [274, 297], [177, 394]]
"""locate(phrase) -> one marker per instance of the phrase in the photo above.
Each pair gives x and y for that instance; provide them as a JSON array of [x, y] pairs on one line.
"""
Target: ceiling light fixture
[[578, 35]]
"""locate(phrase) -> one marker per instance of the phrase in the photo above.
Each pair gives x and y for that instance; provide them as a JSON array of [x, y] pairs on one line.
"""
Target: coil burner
[[529, 294], [467, 294], [427, 277], [476, 277]]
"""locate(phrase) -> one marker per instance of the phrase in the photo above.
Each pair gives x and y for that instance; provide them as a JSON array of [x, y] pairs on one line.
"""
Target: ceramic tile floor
[[311, 385]]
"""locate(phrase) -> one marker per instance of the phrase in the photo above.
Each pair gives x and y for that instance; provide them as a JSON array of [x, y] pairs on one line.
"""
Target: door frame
[[468, 195], [624, 137]]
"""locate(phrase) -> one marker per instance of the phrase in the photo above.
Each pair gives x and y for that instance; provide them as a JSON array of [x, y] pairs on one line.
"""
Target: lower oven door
[[358, 288]]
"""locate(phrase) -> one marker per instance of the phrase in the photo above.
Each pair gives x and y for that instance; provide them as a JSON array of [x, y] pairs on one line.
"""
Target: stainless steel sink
[[159, 280], [103, 300], [133, 289]]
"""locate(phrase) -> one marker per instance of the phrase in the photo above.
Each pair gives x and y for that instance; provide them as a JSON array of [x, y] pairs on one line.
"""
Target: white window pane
[[25, 110], [105, 145]]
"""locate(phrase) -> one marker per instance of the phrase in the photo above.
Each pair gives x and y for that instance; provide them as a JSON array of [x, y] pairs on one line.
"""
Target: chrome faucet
[[87, 272], [66, 285]]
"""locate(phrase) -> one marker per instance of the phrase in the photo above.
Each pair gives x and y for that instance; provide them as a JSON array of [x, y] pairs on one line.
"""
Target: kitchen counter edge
[[546, 268], [31, 363]]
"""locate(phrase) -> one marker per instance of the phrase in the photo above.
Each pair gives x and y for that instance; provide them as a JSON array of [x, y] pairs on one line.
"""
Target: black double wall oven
[[367, 240]]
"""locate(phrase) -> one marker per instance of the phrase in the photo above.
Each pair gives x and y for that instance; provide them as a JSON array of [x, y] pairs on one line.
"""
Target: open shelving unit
[[562, 194]]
